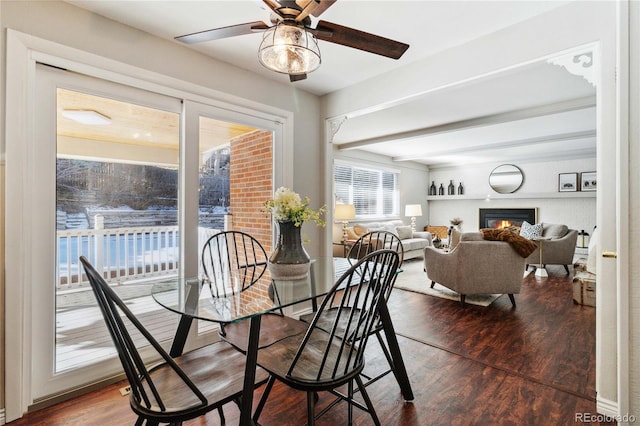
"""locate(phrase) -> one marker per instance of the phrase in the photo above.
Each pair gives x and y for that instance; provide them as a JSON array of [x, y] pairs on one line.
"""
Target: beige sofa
[[476, 266], [559, 249], [413, 242]]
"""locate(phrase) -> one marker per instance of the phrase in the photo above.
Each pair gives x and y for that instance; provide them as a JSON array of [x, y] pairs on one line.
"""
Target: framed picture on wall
[[567, 182], [588, 181]]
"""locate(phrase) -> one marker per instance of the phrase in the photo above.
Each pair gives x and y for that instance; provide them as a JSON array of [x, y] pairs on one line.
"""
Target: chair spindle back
[[353, 305]]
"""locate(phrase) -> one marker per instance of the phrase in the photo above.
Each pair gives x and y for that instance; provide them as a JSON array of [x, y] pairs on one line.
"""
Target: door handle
[[610, 254]]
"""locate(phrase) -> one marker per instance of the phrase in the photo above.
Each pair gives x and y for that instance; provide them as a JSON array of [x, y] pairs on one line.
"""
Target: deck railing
[[123, 254]]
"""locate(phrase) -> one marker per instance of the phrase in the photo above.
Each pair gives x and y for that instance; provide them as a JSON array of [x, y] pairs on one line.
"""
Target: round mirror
[[506, 179]]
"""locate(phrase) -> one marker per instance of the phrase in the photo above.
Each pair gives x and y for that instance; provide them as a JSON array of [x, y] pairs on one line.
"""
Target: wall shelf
[[538, 195]]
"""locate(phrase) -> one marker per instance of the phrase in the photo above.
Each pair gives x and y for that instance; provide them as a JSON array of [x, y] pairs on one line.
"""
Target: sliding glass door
[[136, 182], [105, 186]]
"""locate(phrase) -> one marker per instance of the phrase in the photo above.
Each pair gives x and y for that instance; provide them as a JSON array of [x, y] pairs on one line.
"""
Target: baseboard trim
[[3, 418], [607, 407]]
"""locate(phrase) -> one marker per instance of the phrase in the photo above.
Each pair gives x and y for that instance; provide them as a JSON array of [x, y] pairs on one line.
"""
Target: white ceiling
[[469, 129]]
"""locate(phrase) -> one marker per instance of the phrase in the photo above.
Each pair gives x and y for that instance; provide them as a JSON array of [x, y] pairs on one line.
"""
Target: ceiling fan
[[290, 44]]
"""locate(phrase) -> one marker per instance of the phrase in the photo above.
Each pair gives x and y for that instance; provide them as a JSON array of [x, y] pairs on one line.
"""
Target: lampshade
[[289, 48], [413, 210], [345, 212]]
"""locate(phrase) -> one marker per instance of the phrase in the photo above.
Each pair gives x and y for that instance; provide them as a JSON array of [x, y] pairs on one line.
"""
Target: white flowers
[[288, 206]]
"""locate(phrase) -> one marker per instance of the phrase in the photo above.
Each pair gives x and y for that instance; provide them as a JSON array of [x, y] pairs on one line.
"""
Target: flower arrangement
[[288, 206], [456, 221]]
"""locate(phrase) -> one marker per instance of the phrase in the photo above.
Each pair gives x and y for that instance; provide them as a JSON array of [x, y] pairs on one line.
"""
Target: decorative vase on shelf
[[451, 190], [460, 189], [432, 188], [289, 260], [441, 190]]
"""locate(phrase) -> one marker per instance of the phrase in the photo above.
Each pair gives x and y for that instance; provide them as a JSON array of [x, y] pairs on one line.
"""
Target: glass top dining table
[[192, 298]]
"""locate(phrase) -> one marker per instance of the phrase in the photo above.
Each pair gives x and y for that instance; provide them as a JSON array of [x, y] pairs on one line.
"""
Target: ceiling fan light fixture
[[288, 48], [86, 116]]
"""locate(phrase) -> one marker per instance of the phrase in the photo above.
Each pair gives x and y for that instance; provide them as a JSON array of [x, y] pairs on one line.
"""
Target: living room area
[[540, 351], [555, 141]]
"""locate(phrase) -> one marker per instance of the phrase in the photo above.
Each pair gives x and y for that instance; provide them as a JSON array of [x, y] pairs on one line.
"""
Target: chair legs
[[367, 401], [263, 398], [312, 398], [311, 408], [513, 300], [433, 283], [387, 355], [566, 268]]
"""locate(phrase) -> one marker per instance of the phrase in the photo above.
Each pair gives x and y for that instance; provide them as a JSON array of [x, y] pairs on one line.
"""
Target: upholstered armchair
[[559, 249], [476, 266]]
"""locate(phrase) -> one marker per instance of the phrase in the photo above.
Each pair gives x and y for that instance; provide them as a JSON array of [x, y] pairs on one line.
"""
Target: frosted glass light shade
[[289, 48]]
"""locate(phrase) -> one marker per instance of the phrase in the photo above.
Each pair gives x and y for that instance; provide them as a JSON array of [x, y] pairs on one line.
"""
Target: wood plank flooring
[[533, 365]]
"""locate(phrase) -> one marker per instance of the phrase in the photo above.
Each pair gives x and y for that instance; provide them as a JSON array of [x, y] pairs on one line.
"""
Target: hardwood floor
[[533, 365]]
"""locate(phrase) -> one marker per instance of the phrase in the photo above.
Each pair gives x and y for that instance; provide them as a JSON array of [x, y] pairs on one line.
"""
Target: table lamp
[[413, 210], [343, 213]]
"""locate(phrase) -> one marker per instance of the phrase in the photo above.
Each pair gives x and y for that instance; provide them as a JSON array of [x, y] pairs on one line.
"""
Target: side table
[[541, 271], [346, 246]]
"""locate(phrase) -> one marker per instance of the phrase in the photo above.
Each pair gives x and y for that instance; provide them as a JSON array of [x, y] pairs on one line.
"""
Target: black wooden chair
[[375, 240], [328, 357], [173, 389], [366, 244], [233, 261]]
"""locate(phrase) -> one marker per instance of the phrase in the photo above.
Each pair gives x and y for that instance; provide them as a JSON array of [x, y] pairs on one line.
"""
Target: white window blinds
[[373, 192]]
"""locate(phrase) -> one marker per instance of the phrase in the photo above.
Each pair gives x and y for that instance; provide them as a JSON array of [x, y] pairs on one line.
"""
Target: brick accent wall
[[251, 184]]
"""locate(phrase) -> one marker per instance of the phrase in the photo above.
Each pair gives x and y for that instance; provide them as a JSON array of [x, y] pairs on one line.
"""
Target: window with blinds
[[373, 192]]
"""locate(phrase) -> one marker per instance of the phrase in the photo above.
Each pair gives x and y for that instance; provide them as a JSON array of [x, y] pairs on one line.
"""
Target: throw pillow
[[552, 230], [381, 228], [391, 228], [530, 231], [359, 230], [351, 234], [404, 232]]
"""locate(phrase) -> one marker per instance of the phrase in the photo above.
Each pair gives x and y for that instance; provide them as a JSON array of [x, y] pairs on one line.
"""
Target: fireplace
[[500, 218]]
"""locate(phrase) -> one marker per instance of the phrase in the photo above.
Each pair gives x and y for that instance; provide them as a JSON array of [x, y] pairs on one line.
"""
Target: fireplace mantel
[[524, 195]]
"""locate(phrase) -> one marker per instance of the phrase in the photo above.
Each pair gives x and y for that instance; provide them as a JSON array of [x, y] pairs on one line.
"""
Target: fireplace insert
[[501, 218]]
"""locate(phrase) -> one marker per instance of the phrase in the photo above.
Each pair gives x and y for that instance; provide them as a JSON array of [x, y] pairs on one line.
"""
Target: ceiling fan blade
[[297, 77], [306, 10], [324, 5], [223, 32], [321, 7], [361, 40]]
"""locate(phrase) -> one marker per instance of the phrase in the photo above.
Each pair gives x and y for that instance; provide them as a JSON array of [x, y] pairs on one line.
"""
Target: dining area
[[259, 344]]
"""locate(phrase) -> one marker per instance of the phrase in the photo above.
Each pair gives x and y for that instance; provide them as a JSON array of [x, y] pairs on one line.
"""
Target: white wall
[[540, 178], [633, 312]]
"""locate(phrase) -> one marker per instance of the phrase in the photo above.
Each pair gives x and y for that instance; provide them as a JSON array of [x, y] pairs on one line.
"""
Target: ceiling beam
[[528, 158], [116, 152], [502, 145], [487, 120]]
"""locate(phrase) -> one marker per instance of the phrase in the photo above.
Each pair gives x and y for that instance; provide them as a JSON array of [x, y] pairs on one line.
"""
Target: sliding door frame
[[23, 52]]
